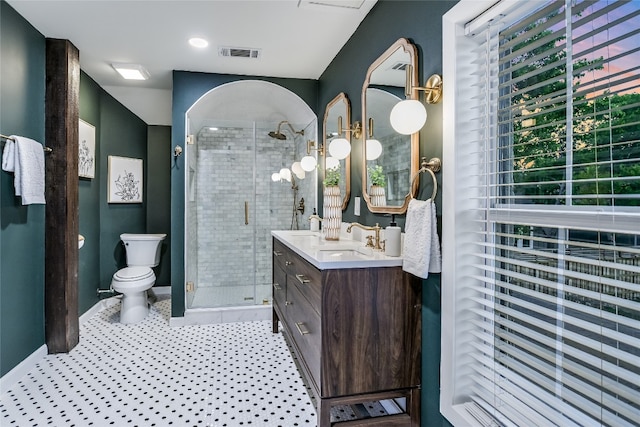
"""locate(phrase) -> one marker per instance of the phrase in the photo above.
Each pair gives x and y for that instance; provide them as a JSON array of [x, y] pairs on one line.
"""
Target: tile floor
[[233, 374]]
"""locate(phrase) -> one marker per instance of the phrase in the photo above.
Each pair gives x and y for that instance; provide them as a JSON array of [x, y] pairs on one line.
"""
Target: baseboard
[[162, 290], [99, 306], [9, 379]]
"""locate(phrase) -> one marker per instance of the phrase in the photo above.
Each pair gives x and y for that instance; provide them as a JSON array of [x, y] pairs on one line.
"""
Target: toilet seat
[[132, 274], [133, 279]]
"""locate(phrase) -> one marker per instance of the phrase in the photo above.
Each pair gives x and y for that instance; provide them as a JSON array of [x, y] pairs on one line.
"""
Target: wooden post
[[62, 106]]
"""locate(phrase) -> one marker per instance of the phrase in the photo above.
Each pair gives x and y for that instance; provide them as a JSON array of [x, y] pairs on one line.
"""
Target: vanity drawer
[[304, 324], [279, 286], [308, 280], [281, 255]]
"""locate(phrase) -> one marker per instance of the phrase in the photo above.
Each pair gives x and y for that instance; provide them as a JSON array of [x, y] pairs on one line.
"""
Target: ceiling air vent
[[239, 52]]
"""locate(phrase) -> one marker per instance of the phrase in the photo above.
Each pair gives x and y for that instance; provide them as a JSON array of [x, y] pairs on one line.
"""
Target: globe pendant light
[[339, 148], [308, 163], [408, 116], [374, 149]]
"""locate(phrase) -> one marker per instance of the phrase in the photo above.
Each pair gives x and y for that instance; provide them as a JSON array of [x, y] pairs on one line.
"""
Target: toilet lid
[[129, 274]]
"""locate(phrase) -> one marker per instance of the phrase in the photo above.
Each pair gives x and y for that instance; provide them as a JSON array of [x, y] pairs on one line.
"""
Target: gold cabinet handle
[[276, 253], [277, 287], [246, 213], [302, 279], [300, 326]]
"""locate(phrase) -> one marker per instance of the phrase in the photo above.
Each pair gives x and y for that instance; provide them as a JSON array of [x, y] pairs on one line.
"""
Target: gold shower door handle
[[246, 213]]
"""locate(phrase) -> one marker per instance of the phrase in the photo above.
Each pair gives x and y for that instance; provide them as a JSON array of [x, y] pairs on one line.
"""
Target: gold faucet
[[375, 229]]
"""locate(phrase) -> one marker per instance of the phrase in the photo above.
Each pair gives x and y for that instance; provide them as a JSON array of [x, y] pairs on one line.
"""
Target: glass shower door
[[232, 206], [221, 257]]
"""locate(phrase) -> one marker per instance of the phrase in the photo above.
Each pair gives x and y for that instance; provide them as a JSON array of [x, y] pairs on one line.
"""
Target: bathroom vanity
[[353, 319]]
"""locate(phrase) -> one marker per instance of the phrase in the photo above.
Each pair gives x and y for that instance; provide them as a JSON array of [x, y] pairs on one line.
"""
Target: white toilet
[[133, 281]]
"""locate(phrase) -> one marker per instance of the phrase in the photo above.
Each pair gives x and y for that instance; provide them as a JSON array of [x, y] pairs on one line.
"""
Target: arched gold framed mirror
[[390, 159], [338, 114]]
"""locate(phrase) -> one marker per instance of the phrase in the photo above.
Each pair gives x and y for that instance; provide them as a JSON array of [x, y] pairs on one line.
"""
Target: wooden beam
[[62, 106]]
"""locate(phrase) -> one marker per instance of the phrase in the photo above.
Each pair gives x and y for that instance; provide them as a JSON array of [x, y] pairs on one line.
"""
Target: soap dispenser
[[392, 238], [314, 219]]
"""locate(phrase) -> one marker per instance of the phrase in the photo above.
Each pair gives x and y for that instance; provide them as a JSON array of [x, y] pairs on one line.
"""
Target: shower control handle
[[276, 253], [277, 287]]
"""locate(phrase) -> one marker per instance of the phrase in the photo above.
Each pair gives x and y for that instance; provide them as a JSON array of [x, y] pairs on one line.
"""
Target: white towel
[[25, 158], [9, 156], [421, 250]]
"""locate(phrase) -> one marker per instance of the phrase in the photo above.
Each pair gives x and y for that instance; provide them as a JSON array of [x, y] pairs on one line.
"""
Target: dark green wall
[[421, 23], [123, 134], [22, 84], [188, 88], [118, 132], [89, 197], [159, 161]]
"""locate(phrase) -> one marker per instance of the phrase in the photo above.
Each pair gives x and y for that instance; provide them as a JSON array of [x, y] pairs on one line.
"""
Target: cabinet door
[[372, 326]]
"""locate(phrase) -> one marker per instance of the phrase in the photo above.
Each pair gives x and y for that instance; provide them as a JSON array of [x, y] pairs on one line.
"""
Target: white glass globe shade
[[301, 174], [308, 163], [296, 168], [331, 162], [285, 173], [374, 149], [339, 148], [275, 177], [408, 116]]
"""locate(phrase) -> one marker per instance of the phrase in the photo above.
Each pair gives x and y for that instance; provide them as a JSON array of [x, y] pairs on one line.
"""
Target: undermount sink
[[336, 253], [362, 252]]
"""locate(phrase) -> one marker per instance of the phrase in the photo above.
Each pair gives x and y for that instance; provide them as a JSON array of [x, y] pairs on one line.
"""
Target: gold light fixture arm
[[432, 89], [312, 146], [356, 130]]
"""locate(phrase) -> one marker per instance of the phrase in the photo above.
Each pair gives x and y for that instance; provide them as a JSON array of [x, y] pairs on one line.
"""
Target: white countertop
[[330, 254]]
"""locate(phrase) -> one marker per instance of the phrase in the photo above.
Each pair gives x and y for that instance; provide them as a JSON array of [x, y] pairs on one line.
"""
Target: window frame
[[456, 225]]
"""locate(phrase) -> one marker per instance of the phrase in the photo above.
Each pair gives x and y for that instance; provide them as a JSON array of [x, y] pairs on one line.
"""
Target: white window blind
[[547, 194]]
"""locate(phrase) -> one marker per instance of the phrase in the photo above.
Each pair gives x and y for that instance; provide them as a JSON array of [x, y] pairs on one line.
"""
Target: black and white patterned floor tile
[[149, 374]]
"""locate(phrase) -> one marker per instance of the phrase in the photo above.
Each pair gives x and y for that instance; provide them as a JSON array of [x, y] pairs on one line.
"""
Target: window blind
[[547, 180]]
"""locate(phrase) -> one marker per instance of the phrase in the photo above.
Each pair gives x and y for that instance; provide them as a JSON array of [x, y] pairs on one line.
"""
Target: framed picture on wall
[[87, 150], [125, 180]]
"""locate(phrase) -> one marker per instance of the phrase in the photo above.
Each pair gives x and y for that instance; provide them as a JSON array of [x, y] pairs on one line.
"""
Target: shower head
[[277, 135], [281, 136]]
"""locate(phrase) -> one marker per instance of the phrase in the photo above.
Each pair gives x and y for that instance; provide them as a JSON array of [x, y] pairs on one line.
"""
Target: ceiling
[[295, 38]]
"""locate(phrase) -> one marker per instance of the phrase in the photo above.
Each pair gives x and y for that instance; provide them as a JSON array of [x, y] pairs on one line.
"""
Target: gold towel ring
[[431, 166]]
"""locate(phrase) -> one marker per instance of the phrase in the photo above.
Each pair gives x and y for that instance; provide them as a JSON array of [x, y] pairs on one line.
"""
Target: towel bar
[[46, 149], [431, 166]]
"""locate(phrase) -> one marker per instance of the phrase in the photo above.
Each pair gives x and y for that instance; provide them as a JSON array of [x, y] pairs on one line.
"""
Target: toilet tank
[[142, 249]]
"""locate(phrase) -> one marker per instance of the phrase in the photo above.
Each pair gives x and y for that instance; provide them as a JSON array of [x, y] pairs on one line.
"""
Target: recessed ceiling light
[[131, 71], [198, 42]]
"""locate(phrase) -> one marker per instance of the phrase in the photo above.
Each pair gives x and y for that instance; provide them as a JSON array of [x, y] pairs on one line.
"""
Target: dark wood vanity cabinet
[[356, 332]]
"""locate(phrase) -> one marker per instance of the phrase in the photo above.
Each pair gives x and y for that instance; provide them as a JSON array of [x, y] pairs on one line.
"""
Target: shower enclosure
[[233, 203]]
